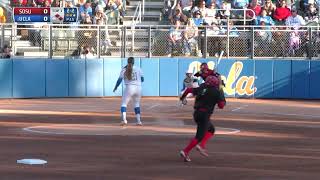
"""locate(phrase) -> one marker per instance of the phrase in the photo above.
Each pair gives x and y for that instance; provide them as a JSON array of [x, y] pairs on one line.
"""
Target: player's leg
[[136, 102], [125, 100], [199, 117], [201, 147]]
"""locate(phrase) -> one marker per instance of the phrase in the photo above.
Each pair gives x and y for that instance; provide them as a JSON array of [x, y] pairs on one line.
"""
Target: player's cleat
[[202, 151], [185, 156], [139, 123], [124, 123]]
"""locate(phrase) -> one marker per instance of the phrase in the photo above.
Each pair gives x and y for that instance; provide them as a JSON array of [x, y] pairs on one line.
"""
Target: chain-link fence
[[89, 41]]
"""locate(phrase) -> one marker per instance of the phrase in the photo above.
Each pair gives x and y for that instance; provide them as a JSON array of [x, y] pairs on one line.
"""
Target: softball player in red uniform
[[207, 96], [133, 77]]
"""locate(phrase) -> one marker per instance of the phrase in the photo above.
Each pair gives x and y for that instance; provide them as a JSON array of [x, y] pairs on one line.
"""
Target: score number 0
[[45, 18]]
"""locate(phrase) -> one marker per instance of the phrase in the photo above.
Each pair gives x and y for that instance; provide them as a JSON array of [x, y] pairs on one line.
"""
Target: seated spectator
[[294, 42], [269, 7], [99, 15], [177, 16], [190, 38], [281, 13], [46, 3], [264, 17], [186, 6], [256, 8], [85, 10], [86, 53], [175, 37], [233, 31], [69, 3], [240, 4], [311, 14], [3, 18], [20, 3], [56, 3], [223, 14], [264, 39], [6, 52], [197, 19], [295, 20], [211, 14], [201, 7]]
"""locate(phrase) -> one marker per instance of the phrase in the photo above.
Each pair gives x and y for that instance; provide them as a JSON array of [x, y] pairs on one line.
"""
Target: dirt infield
[[81, 139]]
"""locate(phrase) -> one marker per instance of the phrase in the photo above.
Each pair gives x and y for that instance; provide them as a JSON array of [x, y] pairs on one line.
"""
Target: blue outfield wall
[[38, 78]]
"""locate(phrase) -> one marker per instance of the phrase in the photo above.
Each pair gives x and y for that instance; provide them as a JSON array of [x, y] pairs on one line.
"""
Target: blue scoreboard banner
[[55, 15]]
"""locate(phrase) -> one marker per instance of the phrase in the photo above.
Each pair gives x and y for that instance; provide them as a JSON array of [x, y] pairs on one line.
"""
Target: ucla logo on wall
[[235, 84]]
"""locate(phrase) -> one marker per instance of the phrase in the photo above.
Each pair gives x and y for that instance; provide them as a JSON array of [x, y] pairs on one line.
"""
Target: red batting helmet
[[204, 66], [212, 81]]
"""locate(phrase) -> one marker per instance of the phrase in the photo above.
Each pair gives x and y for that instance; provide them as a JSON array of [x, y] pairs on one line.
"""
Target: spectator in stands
[[256, 8], [240, 4], [198, 20], [224, 13], [186, 6], [178, 16], [269, 7], [46, 3], [117, 5], [201, 7], [281, 13], [311, 14], [294, 41], [295, 20], [69, 3], [214, 42], [87, 53], [6, 52], [210, 17], [175, 37], [85, 10], [190, 38], [265, 18], [264, 39], [99, 15], [21, 3], [56, 3], [3, 18]]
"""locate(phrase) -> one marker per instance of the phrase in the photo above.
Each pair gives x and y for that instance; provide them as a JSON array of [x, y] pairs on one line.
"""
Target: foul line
[[241, 107]]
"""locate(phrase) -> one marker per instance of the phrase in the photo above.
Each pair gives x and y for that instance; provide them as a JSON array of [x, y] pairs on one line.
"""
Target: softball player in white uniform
[[133, 77]]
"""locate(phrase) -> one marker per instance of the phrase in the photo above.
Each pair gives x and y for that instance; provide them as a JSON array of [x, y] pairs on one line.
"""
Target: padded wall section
[[29, 78], [150, 69], [263, 70], [169, 77], [282, 79], [5, 78], [57, 81], [314, 79], [77, 78], [300, 79], [112, 68], [94, 77]]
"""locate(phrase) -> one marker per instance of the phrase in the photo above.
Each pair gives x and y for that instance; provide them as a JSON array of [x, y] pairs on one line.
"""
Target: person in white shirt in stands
[[295, 20], [133, 77]]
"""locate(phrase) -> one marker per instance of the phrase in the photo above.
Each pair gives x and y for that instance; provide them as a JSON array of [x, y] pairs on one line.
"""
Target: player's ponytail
[[129, 68]]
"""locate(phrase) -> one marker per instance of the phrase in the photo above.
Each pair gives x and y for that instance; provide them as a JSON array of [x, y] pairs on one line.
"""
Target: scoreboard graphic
[[50, 15]]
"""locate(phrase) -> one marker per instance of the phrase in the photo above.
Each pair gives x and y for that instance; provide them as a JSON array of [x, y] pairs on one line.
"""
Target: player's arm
[[119, 80], [221, 100], [198, 74], [142, 76]]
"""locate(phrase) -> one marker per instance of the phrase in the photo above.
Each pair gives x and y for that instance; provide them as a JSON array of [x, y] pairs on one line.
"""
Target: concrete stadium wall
[[39, 78]]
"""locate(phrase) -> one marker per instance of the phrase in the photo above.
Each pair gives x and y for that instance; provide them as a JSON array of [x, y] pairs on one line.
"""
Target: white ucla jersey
[[136, 76]]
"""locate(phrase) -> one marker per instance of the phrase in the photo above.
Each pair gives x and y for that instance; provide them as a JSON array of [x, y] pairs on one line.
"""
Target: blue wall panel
[[169, 77], [5, 78], [315, 80], [150, 68], [225, 68], [264, 75], [77, 78], [245, 81], [57, 78], [94, 77], [28, 78], [300, 79], [112, 68], [282, 79]]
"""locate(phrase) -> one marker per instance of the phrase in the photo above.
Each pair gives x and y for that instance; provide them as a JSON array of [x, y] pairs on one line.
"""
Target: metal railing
[[55, 41]]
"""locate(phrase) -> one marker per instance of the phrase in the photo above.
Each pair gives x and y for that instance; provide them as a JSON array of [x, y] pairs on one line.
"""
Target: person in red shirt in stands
[[256, 8], [281, 13]]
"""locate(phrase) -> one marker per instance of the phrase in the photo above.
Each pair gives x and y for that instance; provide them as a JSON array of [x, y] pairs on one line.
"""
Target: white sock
[[124, 116], [138, 116]]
